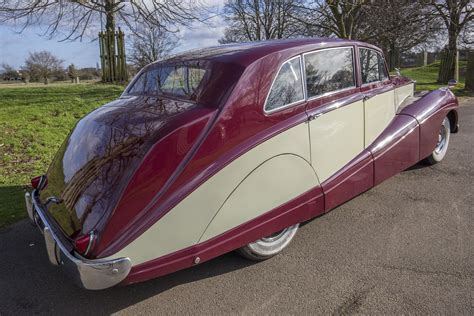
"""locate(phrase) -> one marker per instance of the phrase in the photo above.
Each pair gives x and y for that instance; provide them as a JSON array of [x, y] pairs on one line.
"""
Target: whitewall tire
[[267, 247], [442, 145]]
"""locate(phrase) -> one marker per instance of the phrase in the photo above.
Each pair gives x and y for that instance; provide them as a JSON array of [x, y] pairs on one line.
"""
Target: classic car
[[229, 148]]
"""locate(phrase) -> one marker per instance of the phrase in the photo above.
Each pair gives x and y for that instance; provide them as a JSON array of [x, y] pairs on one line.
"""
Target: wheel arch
[[272, 183], [453, 120]]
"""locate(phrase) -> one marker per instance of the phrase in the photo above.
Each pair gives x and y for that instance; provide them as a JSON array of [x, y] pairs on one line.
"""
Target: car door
[[379, 94], [336, 123]]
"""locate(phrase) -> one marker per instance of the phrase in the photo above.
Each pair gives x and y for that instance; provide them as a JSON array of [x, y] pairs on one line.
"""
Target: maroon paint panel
[[300, 209], [154, 172], [353, 179], [396, 149], [430, 111]]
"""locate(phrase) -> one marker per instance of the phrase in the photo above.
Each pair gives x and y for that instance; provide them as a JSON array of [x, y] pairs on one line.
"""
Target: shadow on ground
[[12, 204], [28, 278]]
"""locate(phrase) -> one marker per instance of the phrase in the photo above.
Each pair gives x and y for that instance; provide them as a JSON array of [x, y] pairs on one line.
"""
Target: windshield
[[179, 80]]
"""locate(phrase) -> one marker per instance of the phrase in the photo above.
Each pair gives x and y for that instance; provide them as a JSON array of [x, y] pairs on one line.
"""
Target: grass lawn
[[426, 78], [34, 121]]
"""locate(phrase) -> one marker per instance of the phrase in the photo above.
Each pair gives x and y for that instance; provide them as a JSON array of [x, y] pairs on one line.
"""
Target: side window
[[329, 70], [372, 66], [287, 87]]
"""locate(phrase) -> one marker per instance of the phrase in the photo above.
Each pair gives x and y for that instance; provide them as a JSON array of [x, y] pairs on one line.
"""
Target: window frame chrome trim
[[354, 72], [273, 82]]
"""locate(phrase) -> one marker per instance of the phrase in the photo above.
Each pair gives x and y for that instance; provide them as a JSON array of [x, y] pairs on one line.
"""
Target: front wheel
[[442, 146], [269, 246]]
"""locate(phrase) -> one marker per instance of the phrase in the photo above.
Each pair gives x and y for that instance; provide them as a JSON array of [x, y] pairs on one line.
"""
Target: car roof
[[247, 52]]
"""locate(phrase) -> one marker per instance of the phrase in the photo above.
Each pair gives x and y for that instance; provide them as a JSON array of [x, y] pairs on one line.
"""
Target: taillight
[[84, 244], [39, 182]]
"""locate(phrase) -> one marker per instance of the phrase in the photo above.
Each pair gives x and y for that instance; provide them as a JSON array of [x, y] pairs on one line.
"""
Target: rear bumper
[[90, 274]]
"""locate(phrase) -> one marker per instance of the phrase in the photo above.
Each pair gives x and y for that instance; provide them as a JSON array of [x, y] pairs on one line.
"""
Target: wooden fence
[[112, 56]]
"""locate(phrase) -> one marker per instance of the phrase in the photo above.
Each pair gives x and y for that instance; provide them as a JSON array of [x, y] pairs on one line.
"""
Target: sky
[[15, 46]]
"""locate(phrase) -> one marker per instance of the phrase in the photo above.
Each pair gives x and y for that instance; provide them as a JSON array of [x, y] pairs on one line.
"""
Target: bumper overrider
[[90, 274]]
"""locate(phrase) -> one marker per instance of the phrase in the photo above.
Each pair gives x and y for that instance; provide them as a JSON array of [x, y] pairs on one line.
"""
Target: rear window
[[178, 80]]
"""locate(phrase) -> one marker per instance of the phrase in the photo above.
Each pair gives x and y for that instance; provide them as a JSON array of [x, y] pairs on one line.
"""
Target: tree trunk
[[447, 67], [394, 57], [110, 15], [470, 72]]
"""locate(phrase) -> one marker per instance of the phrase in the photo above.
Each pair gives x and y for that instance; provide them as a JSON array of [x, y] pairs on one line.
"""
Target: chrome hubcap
[[274, 236], [441, 140]]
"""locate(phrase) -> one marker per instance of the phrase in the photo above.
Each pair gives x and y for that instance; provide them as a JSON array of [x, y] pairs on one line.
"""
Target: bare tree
[[456, 15], [151, 44], [340, 18], [398, 26], [8, 71], [40, 65], [72, 19], [255, 20]]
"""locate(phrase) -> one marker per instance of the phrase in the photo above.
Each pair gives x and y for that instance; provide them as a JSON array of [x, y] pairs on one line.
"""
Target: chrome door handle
[[367, 97], [314, 116]]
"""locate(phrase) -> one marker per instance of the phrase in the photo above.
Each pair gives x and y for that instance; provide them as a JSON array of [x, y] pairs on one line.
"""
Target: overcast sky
[[14, 47]]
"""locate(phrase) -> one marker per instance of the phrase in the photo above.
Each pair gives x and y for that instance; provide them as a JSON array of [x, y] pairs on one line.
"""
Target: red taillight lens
[[39, 182], [84, 244]]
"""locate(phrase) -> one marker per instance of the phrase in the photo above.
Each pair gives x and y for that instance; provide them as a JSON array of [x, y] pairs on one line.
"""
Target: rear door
[[335, 108], [379, 94]]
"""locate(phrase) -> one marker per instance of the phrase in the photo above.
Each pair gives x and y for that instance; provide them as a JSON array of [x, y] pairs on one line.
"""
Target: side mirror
[[397, 71], [452, 83]]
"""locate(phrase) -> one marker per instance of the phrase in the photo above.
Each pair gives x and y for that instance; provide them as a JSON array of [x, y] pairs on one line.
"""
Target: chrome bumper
[[90, 274]]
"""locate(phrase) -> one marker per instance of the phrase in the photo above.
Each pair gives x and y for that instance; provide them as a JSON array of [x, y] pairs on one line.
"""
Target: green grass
[[426, 78], [34, 121]]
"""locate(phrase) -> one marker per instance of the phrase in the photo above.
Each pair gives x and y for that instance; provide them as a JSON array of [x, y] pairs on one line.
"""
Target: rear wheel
[[442, 146], [269, 246]]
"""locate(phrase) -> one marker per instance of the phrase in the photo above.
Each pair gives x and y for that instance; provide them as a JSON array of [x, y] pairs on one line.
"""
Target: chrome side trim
[[94, 274], [326, 94], [317, 112]]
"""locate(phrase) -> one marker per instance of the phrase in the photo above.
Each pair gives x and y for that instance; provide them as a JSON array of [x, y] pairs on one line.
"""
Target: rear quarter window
[[287, 88]]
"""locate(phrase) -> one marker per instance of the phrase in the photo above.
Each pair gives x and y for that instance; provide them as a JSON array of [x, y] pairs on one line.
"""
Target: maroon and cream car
[[228, 148]]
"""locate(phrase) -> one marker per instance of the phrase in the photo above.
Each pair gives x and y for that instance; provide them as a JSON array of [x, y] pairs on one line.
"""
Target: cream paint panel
[[185, 223], [379, 112], [263, 190], [336, 138], [403, 92]]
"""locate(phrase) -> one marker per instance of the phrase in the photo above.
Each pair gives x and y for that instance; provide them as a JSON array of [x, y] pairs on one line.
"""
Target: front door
[[379, 94]]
